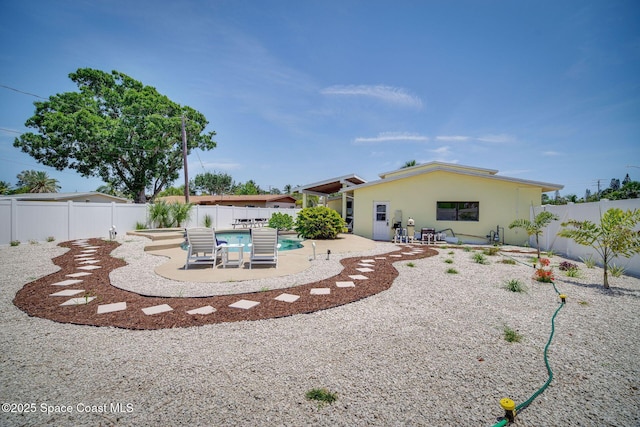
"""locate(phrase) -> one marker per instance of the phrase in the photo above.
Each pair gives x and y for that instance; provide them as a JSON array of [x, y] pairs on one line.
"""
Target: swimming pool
[[287, 242]]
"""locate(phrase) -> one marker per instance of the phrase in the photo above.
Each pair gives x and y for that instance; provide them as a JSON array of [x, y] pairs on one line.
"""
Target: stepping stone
[[365, 270], [66, 282], [406, 253], [365, 265], [358, 277], [108, 308], [244, 304], [67, 293], [84, 256], [287, 298], [92, 247], [381, 257], [396, 255], [368, 260], [78, 301], [207, 309], [89, 267], [345, 284], [156, 309], [81, 242], [85, 259], [90, 261], [320, 291], [78, 274], [89, 251]]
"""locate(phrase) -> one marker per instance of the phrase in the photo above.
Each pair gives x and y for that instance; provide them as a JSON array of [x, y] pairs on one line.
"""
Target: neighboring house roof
[[91, 196], [453, 168], [221, 199], [330, 186]]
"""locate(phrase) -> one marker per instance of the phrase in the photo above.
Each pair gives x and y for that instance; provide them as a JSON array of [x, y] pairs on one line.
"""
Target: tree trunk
[[141, 197], [606, 277]]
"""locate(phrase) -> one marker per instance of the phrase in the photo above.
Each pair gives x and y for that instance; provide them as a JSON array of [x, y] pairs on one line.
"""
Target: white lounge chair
[[203, 248], [264, 246]]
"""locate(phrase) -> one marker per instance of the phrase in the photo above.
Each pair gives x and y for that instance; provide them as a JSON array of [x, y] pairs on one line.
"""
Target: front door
[[381, 221]]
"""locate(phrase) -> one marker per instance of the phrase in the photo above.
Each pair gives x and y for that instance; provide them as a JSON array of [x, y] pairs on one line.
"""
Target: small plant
[[515, 285], [480, 258], [264, 289], [508, 261], [50, 239], [466, 249], [583, 302], [544, 276], [410, 264], [452, 271], [448, 261], [616, 271], [566, 266], [511, 335], [322, 396], [451, 253], [572, 272], [589, 261], [141, 225], [208, 221], [550, 253], [494, 250], [15, 243]]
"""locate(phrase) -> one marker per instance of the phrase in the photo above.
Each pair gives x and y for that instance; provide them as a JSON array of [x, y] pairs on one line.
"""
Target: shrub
[[566, 265], [15, 242], [494, 250], [572, 272], [616, 271], [321, 395], [508, 261], [544, 276], [50, 239], [179, 213], [281, 221], [511, 335], [208, 221], [515, 285], [410, 264], [319, 222], [452, 271], [141, 225], [480, 258], [448, 261], [589, 261], [160, 214]]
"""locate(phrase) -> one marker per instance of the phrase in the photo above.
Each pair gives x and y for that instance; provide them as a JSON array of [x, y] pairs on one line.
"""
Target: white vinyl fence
[[582, 212], [25, 221]]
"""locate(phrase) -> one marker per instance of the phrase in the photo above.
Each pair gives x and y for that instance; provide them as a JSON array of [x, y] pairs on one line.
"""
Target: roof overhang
[[330, 186]]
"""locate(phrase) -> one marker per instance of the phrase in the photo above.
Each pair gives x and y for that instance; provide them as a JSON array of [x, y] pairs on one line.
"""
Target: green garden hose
[[527, 402]]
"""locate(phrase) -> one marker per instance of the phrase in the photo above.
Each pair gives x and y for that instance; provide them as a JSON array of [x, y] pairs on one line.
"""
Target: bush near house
[[319, 222], [281, 221]]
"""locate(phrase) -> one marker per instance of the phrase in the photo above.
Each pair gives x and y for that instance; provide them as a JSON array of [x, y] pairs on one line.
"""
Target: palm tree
[[5, 187], [409, 163], [37, 182], [535, 227]]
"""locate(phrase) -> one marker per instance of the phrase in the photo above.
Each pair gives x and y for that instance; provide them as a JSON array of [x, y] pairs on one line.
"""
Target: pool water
[[288, 241]]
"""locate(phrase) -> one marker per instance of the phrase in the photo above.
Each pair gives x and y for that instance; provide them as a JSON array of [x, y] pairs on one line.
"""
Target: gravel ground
[[429, 351]]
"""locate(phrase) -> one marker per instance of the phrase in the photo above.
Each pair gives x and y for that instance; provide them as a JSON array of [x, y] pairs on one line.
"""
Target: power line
[[22, 92]]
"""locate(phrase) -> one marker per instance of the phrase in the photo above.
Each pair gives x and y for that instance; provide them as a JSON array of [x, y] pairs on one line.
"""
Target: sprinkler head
[[563, 298], [509, 407]]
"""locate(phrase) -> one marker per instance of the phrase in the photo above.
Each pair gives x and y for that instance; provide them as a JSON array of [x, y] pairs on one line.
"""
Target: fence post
[[14, 219], [69, 219]]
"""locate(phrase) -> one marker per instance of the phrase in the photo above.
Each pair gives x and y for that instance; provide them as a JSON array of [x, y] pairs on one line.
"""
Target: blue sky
[[302, 91]]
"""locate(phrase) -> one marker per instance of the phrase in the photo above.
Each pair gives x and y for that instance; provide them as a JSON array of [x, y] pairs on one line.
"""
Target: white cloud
[[454, 138], [392, 137], [444, 150], [497, 138], [550, 153], [389, 94]]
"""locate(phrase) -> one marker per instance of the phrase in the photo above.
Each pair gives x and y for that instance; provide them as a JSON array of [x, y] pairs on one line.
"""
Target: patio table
[[232, 261]]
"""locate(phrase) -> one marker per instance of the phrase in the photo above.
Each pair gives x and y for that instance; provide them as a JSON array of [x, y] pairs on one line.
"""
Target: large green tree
[[117, 129], [213, 183], [31, 181]]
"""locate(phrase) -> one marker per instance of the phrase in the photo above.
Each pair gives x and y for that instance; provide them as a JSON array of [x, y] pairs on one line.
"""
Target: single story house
[[87, 197], [473, 204], [283, 201]]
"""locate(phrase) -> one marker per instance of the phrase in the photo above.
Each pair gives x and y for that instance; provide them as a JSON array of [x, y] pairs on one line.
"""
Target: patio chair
[[264, 246], [202, 247]]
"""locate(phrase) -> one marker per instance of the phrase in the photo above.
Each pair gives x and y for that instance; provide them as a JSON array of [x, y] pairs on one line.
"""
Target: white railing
[[37, 221], [582, 212]]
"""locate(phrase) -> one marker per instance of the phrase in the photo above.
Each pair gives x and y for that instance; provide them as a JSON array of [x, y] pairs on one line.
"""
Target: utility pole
[[184, 157]]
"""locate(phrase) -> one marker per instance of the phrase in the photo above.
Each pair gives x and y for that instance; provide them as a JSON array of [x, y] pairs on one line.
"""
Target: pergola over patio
[[328, 187]]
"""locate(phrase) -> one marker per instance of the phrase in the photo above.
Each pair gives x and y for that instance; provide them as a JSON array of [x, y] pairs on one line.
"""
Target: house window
[[458, 211]]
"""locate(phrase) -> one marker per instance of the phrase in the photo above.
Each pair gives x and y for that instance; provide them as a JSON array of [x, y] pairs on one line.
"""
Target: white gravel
[[429, 351]]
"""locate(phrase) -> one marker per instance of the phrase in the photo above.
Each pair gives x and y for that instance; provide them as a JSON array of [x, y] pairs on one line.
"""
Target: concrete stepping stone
[[207, 309], [89, 258], [406, 253], [78, 274], [81, 242], [157, 309], [381, 257], [396, 255], [67, 282], [89, 251], [89, 267], [368, 261], [67, 293], [83, 256], [90, 261], [244, 304], [362, 264], [109, 308], [365, 270], [287, 297], [92, 247], [320, 291], [345, 284], [358, 277], [79, 301]]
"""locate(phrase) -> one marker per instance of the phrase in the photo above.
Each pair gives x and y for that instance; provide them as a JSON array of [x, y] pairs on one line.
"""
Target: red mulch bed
[[34, 297]]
